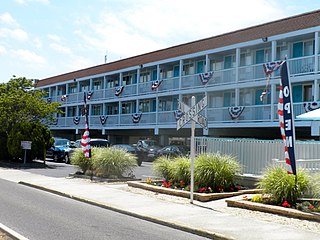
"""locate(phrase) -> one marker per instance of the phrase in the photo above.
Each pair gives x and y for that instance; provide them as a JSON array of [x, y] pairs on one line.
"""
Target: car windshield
[[61, 142], [149, 143]]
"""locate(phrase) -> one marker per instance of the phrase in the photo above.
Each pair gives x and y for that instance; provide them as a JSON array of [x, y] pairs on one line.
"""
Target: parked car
[[174, 151], [94, 142], [149, 149], [131, 149], [60, 151]]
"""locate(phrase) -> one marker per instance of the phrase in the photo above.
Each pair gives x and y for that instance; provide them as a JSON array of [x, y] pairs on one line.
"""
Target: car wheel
[[67, 159], [55, 158]]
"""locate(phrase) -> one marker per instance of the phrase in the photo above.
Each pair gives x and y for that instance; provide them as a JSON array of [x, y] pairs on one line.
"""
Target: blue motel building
[[138, 97]]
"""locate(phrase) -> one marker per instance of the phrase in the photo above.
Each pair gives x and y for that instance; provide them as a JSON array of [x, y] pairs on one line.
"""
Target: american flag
[[286, 119]]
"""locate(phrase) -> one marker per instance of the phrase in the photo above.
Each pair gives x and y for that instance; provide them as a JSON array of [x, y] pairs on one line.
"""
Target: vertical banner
[[286, 119]]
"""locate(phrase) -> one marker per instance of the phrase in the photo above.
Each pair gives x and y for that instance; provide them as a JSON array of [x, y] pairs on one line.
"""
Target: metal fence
[[255, 155]]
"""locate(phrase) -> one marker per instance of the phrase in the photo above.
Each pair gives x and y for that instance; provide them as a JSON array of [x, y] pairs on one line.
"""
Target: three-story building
[[138, 96]]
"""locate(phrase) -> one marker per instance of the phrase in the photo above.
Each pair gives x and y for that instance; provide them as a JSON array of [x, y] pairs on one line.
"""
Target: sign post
[[192, 113], [25, 145]]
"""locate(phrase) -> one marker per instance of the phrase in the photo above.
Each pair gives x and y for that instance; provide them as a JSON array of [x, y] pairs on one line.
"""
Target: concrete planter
[[288, 212], [202, 197]]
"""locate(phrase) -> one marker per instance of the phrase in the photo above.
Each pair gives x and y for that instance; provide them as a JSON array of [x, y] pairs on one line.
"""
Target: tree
[[20, 102], [39, 134]]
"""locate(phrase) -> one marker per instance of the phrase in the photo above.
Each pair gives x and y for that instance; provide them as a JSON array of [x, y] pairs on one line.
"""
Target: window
[[73, 88], [72, 111], [229, 61], [126, 80], [84, 86], [96, 109], [111, 83], [188, 69], [307, 93], [300, 49], [144, 106], [112, 109], [263, 55], [61, 90], [176, 70], [97, 84], [228, 99], [128, 107], [145, 77]]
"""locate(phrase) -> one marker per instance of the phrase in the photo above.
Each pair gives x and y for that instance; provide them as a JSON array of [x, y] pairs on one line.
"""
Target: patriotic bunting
[[310, 106], [136, 117], [76, 120], [156, 84], [269, 68], [205, 77], [286, 119], [235, 112], [118, 91], [178, 114], [103, 119], [64, 98], [89, 94]]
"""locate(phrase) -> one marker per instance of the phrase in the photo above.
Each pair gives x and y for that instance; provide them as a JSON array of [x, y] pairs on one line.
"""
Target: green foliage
[[282, 186], [181, 170], [216, 171], [105, 162], [163, 167], [4, 154], [113, 162], [77, 158], [315, 185], [39, 134], [20, 102]]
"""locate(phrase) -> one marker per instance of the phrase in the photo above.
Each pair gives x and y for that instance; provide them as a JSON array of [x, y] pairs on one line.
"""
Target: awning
[[312, 115]]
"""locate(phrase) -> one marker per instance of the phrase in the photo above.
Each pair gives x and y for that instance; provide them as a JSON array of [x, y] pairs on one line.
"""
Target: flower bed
[[284, 210], [202, 197]]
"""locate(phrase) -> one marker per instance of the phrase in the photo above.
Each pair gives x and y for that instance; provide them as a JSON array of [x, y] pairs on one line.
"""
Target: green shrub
[[113, 162], [77, 158], [315, 185], [216, 171], [282, 186], [181, 170], [163, 167]]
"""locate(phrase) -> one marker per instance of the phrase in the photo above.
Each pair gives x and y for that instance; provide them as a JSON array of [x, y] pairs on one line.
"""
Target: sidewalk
[[199, 218]]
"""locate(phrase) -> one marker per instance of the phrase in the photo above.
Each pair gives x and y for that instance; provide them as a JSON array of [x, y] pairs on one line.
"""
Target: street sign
[[26, 144], [192, 113]]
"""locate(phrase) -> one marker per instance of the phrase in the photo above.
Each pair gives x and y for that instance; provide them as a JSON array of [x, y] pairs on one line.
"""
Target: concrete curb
[[12, 233], [200, 232]]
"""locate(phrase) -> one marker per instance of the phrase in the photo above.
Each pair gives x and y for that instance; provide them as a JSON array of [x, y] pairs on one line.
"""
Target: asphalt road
[[40, 215], [55, 169]]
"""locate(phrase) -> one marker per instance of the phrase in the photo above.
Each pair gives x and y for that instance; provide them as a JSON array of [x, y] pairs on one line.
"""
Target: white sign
[[193, 113], [26, 144]]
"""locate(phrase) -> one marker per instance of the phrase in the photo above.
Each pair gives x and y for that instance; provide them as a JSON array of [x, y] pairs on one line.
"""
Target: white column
[[273, 102], [180, 73], [316, 51], [316, 90], [273, 50], [138, 79], [237, 63], [207, 67]]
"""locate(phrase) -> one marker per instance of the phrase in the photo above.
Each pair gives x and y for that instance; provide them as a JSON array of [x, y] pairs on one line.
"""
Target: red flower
[[166, 184], [286, 204], [311, 207], [202, 190], [245, 197]]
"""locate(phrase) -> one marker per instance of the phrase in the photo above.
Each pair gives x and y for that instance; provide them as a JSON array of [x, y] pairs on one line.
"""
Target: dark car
[[60, 150], [149, 148], [131, 149], [174, 151]]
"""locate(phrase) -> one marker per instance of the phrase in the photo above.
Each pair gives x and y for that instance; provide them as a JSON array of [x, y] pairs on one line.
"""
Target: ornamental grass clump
[[216, 171], [283, 186], [113, 162], [181, 171], [163, 167], [77, 158]]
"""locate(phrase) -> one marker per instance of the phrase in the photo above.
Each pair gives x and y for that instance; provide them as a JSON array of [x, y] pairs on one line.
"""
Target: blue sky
[[45, 38]]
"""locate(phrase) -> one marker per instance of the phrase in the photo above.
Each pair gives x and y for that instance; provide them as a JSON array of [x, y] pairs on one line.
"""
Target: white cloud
[[3, 50], [22, 2], [145, 25], [28, 56], [54, 37], [7, 18], [37, 42], [61, 49], [17, 34]]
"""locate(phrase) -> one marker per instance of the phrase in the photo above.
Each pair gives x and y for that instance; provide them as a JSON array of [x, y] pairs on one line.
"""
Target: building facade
[[138, 97]]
